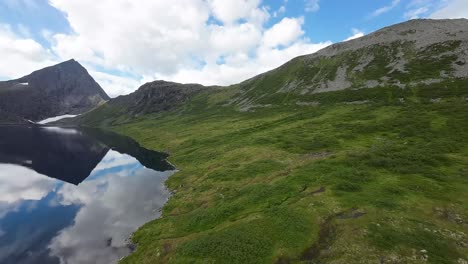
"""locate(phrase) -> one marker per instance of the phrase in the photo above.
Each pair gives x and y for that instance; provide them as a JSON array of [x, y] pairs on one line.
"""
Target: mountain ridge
[[64, 88], [412, 53]]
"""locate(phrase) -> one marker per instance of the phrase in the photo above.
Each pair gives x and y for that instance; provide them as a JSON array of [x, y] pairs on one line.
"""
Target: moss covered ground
[[359, 176]]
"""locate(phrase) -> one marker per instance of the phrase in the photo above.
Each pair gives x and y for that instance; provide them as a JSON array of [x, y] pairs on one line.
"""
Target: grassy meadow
[[355, 176]]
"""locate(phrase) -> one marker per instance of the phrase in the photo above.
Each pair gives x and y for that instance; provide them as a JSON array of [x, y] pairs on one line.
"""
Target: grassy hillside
[[355, 154], [409, 55], [383, 179]]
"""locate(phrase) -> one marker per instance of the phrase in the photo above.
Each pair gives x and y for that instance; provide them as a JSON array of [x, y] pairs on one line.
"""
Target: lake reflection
[[48, 217]]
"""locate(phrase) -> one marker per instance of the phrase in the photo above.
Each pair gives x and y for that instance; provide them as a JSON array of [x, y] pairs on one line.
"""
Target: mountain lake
[[72, 195]]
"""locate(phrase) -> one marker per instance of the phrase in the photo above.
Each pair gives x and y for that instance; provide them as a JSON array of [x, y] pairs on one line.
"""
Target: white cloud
[[181, 43], [19, 183], [146, 36], [123, 43], [229, 11], [452, 9], [312, 6], [233, 38], [284, 33], [356, 34], [385, 9], [116, 85], [240, 67], [111, 198], [24, 54]]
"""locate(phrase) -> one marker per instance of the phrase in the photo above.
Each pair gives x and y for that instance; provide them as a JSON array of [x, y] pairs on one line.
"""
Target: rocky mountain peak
[[158, 96], [422, 32], [412, 53], [65, 88]]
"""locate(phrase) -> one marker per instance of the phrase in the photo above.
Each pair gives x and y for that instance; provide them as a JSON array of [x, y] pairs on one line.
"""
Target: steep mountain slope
[[153, 97], [404, 55], [355, 154], [65, 88], [414, 54]]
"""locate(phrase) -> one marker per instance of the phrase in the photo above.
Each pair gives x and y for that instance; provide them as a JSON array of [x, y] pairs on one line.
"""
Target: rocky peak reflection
[[68, 154], [119, 196], [64, 154], [48, 220]]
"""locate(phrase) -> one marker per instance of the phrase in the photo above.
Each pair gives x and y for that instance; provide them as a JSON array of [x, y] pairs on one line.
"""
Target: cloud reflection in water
[[119, 196]]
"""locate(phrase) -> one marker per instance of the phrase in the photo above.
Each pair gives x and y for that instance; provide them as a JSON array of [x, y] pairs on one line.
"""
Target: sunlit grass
[[285, 185]]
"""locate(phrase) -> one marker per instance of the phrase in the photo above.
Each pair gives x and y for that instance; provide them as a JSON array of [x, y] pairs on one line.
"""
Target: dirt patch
[[327, 234], [351, 214], [167, 248], [449, 215], [321, 190], [326, 237]]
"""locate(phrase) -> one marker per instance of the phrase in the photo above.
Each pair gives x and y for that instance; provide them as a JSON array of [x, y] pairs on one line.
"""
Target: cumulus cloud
[[116, 85], [229, 11], [128, 34], [233, 39], [126, 43], [240, 66], [19, 183], [211, 42], [284, 32], [23, 54]]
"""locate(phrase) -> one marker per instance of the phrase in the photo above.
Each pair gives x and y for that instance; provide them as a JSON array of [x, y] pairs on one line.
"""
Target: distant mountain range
[[65, 88], [419, 52]]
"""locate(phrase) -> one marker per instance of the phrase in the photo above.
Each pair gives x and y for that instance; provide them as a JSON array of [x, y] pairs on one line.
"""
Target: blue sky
[[125, 43]]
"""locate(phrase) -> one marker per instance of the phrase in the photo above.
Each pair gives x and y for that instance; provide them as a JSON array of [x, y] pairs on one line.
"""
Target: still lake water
[[75, 196]]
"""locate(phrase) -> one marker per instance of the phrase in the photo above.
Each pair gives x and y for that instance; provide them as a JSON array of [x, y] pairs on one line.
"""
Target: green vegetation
[[381, 181], [397, 63], [272, 174]]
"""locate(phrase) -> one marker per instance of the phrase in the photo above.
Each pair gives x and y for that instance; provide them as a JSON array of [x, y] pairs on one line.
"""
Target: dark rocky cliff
[[65, 88], [157, 96]]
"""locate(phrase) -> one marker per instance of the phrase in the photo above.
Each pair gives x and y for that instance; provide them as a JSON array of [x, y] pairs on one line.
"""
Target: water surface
[[75, 195]]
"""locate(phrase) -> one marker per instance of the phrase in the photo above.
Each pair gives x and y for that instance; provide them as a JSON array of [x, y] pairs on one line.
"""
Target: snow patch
[[24, 83], [56, 118]]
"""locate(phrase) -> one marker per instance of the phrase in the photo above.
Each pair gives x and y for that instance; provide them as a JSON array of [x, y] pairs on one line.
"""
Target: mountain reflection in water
[[75, 196]]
